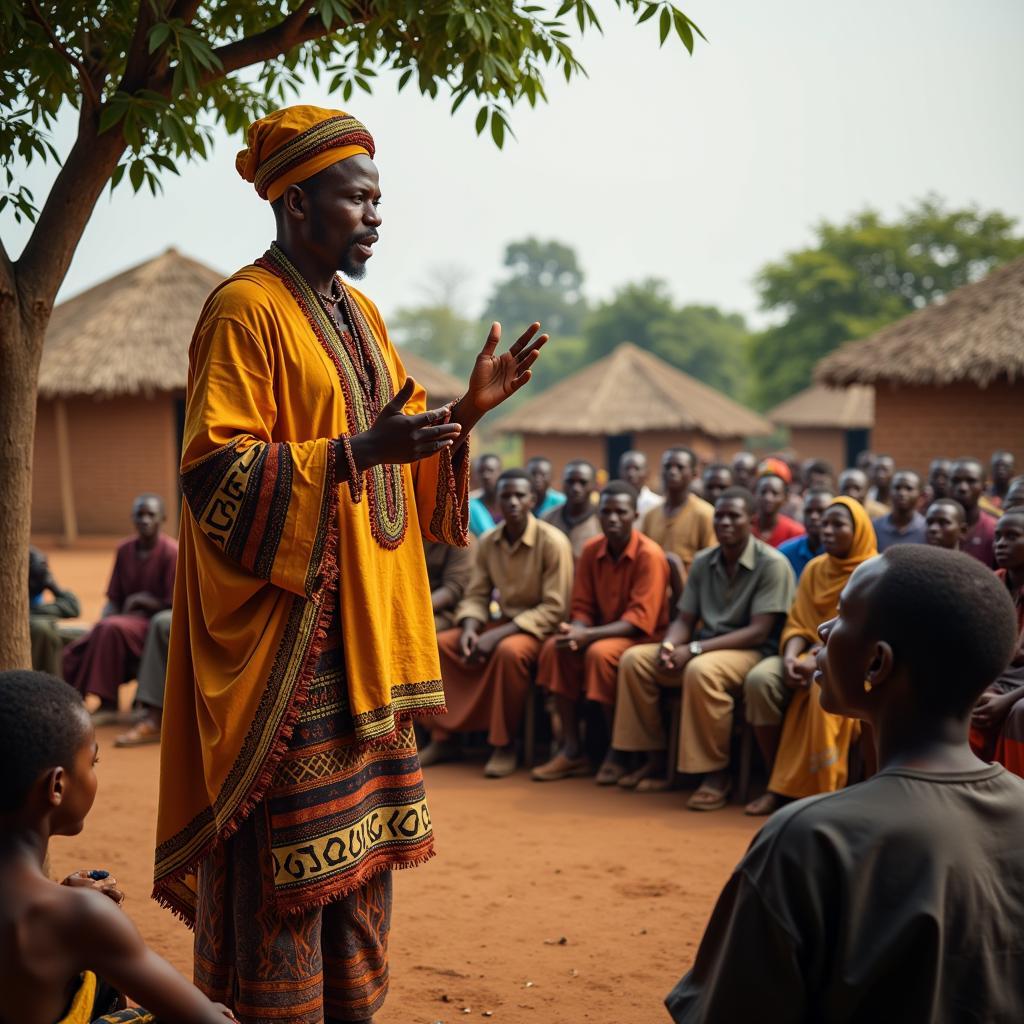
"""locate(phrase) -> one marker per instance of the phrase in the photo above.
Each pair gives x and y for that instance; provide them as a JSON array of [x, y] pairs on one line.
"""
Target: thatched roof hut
[[630, 398], [975, 335], [949, 378], [828, 423], [111, 395]]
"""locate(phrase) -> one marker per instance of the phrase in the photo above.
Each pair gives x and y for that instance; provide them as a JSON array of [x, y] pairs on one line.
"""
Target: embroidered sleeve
[[268, 506]]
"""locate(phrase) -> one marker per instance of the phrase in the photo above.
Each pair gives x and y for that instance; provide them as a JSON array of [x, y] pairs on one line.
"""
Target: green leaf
[[481, 120], [666, 25], [649, 13], [498, 129], [135, 174], [158, 35], [683, 29]]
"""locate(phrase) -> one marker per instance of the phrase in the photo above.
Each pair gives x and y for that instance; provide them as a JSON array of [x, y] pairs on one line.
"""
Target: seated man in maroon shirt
[[967, 483], [141, 584], [769, 524]]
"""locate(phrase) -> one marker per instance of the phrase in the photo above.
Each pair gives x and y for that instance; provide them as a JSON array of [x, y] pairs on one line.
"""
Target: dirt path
[[626, 879]]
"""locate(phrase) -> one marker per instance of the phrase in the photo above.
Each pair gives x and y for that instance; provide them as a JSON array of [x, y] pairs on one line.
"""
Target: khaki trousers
[[709, 682], [765, 693]]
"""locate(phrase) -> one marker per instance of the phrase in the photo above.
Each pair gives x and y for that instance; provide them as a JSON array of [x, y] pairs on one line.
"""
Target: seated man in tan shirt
[[682, 524], [488, 665]]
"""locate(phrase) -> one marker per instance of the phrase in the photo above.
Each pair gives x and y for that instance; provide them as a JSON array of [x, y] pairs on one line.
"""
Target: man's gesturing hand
[[396, 438], [497, 377]]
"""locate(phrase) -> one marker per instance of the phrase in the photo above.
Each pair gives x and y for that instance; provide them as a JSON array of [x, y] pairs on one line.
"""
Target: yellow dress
[[815, 745], [272, 552]]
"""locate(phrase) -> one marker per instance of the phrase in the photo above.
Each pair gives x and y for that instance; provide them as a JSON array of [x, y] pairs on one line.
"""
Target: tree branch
[[78, 65], [8, 282], [137, 63], [79, 184]]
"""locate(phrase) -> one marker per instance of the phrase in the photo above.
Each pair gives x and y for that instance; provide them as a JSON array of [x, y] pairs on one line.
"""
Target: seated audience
[[488, 665], [788, 472], [618, 600], [448, 570], [881, 474], [716, 478], [769, 523], [545, 496], [744, 470], [484, 512], [577, 516], [853, 483], [141, 584], [900, 899], [729, 618], [152, 674], [967, 481], [946, 524], [682, 523], [904, 524], [810, 752], [997, 732], [633, 469], [1001, 468], [47, 640], [800, 550], [67, 952]]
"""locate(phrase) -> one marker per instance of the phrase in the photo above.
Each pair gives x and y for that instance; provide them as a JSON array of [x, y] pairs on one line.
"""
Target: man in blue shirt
[[547, 498], [484, 511], [904, 524], [800, 550]]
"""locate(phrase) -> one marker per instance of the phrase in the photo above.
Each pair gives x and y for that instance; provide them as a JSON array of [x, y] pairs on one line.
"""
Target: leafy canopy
[[860, 276], [163, 72]]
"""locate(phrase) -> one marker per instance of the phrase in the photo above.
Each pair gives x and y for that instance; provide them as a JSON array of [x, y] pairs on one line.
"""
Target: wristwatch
[[695, 648]]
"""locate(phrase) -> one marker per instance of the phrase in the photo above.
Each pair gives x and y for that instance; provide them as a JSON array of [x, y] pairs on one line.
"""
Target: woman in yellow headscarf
[[815, 745]]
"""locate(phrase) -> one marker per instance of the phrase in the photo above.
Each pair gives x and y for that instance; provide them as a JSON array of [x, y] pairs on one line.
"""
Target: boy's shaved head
[[42, 725]]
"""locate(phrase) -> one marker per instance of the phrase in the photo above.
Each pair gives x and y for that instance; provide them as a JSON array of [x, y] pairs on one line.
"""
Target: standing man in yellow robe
[[302, 642]]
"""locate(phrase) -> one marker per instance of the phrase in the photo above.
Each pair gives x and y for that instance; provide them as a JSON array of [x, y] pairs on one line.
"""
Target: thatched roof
[[441, 386], [130, 334], [975, 334], [127, 335], [631, 391], [851, 408]]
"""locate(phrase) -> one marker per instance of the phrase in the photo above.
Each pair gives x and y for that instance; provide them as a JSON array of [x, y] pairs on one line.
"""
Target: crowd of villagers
[[613, 600]]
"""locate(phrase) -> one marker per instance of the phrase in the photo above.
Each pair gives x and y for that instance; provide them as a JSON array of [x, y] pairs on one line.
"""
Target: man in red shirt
[[769, 524], [967, 483], [619, 599]]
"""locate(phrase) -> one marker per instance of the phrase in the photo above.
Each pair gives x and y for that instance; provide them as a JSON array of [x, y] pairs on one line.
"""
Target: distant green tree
[[862, 275], [440, 335], [545, 283], [700, 340]]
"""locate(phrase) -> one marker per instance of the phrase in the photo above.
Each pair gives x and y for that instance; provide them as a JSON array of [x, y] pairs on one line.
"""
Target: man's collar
[[629, 551], [748, 558], [529, 537]]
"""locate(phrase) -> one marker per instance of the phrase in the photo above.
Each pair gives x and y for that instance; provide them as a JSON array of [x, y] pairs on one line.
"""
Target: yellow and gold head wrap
[[293, 144]]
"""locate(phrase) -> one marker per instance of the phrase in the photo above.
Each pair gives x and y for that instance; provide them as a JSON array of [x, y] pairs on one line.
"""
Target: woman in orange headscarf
[[815, 745]]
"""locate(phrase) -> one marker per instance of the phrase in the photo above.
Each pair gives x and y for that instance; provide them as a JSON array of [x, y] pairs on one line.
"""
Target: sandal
[[707, 799], [609, 773], [765, 804], [652, 784], [140, 735]]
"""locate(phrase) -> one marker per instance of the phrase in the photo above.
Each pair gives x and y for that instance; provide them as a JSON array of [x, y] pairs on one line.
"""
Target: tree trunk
[[21, 343], [27, 293]]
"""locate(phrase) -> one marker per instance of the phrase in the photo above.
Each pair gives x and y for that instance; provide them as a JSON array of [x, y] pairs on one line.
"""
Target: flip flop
[[716, 799], [609, 773]]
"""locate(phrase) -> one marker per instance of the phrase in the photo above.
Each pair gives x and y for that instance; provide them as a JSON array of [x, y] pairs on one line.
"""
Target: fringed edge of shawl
[[329, 574]]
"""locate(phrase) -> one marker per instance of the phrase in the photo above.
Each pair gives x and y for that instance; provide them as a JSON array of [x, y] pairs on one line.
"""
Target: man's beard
[[349, 266]]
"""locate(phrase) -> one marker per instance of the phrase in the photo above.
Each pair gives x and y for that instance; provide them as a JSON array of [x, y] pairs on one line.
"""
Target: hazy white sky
[[696, 170]]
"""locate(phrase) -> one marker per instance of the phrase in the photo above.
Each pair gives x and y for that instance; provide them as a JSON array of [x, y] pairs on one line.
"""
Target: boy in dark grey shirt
[[901, 898]]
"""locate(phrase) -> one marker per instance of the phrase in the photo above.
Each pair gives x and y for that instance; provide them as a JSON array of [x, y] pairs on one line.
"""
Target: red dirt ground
[[627, 880]]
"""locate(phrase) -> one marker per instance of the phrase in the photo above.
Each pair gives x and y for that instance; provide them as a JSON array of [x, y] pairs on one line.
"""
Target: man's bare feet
[[713, 793], [765, 804], [652, 768], [93, 702]]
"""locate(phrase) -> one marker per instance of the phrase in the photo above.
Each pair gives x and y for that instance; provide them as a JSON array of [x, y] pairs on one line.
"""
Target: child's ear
[[55, 785]]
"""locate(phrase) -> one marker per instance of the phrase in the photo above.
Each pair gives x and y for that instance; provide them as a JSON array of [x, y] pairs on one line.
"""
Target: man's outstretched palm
[[497, 377]]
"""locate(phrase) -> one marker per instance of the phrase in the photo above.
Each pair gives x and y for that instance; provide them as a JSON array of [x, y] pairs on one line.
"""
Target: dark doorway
[[857, 441], [616, 446]]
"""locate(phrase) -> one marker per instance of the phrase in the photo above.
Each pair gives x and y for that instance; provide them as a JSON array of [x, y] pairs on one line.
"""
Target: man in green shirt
[[729, 617]]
